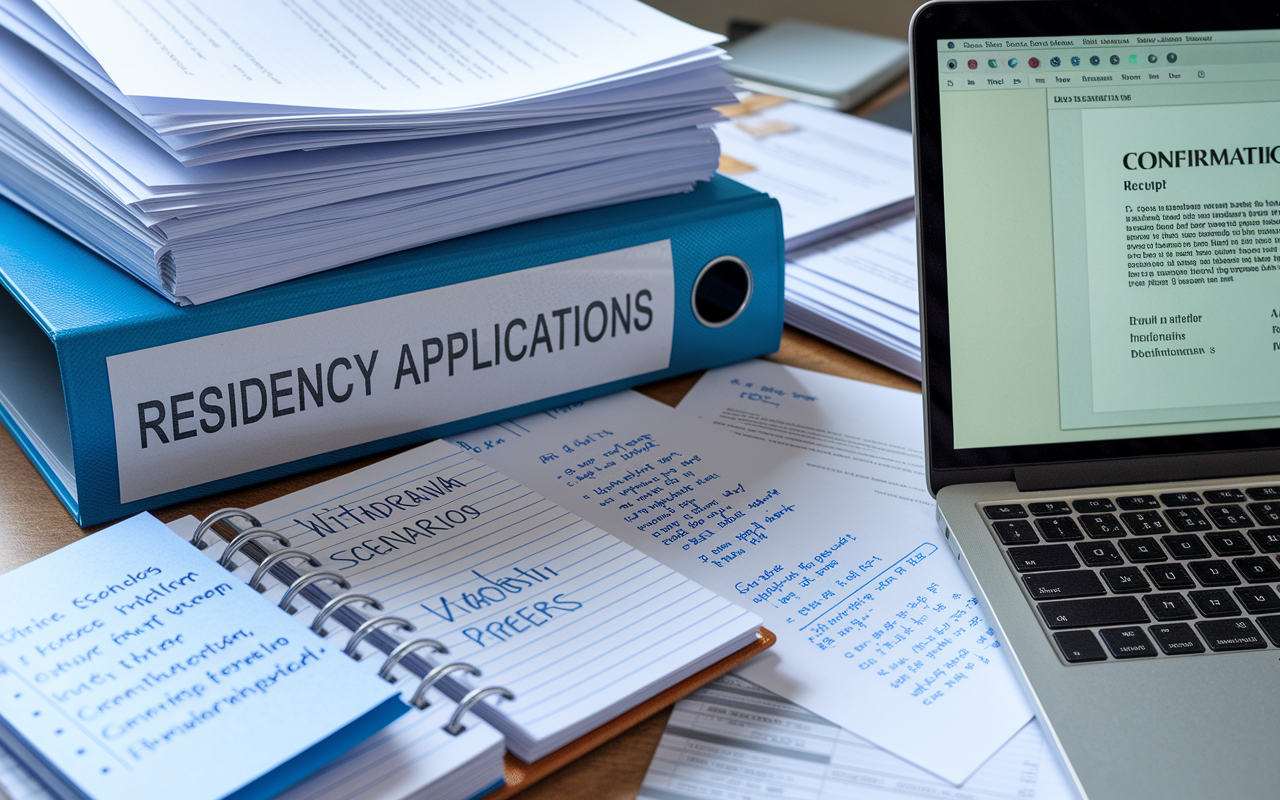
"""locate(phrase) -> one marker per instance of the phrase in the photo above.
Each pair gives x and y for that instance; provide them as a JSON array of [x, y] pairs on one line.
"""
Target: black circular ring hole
[[721, 291]]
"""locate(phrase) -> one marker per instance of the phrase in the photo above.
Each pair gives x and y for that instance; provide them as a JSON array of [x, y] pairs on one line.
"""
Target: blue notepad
[[132, 666]]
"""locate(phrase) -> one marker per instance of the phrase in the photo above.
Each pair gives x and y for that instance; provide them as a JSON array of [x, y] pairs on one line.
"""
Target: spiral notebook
[[551, 630], [131, 666], [438, 747]]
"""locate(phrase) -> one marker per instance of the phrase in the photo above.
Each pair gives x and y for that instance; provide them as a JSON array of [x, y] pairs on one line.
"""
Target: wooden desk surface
[[33, 523]]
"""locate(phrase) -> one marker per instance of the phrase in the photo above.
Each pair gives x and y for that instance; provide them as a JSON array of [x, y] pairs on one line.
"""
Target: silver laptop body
[[1096, 185]]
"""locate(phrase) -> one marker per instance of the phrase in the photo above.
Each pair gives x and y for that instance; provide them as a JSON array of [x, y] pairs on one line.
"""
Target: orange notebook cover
[[520, 775]]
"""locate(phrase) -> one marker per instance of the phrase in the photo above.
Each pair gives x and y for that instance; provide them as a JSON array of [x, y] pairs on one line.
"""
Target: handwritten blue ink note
[[132, 666], [877, 628], [579, 625]]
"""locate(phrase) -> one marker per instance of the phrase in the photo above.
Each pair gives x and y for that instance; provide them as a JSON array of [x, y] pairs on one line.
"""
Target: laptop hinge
[[1145, 470]]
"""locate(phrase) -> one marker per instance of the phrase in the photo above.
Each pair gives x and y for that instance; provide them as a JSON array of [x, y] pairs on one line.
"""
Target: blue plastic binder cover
[[81, 311]]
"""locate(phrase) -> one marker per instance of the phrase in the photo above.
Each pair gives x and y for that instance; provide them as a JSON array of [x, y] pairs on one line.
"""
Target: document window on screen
[[1113, 234]]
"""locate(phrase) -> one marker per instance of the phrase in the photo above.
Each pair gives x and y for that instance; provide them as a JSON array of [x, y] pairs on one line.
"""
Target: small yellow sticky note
[[732, 166], [752, 104], [766, 127]]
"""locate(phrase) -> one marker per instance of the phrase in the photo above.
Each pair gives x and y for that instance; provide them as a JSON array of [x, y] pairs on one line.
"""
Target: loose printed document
[[374, 56], [876, 626], [735, 739], [831, 172]]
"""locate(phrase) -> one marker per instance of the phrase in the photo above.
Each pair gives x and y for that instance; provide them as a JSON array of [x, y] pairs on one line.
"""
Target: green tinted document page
[[132, 666]]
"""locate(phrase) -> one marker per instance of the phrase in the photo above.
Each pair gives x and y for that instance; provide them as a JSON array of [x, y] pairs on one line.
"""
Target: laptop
[[1098, 199]]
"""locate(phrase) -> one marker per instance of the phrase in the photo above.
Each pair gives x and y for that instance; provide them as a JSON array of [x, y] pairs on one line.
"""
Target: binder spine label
[[216, 406]]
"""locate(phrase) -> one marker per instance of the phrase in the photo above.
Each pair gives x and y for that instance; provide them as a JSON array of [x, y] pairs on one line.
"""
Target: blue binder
[[77, 335]]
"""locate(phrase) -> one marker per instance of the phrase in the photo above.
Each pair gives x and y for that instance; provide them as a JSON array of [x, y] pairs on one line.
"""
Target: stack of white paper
[[860, 291], [214, 148], [847, 192]]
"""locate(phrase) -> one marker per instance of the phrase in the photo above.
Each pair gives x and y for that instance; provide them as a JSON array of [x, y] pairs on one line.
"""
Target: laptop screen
[[1112, 233]]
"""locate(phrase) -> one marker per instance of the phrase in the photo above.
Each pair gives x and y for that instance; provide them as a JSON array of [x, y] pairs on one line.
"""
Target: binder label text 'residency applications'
[[198, 410]]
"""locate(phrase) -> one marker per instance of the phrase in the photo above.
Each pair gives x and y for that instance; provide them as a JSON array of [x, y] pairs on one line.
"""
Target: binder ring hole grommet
[[722, 291], [369, 626], [420, 696], [317, 624], [306, 580], [243, 539], [403, 649], [275, 558], [208, 522], [455, 725]]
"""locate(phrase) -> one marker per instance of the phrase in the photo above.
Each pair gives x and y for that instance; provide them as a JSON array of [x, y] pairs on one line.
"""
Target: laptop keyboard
[[1148, 575]]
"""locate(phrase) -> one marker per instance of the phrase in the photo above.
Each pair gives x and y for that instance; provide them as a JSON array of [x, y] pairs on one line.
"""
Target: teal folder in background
[[125, 402]]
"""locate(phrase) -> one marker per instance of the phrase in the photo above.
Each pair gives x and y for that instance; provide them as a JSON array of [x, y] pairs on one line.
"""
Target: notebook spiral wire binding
[[250, 539]]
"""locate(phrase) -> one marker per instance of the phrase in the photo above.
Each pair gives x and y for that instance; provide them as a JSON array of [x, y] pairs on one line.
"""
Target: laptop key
[[1187, 520], [1017, 531], [1176, 499], [1125, 580], [1061, 585], [1258, 599], [1170, 576], [1166, 607], [1006, 511], [1230, 634], [1142, 551], [1144, 523], [1229, 544], [1263, 492], [1227, 517], [1226, 496], [1214, 573], [1059, 529], [1267, 539], [1265, 513], [1079, 646], [1093, 506], [1099, 554], [1258, 569], [1042, 558], [1128, 642], [1176, 639], [1188, 546], [1101, 526], [1272, 627], [1049, 508], [1215, 603], [1092, 612], [1137, 502]]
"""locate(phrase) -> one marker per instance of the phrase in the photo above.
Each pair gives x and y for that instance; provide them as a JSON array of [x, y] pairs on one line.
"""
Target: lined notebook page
[[579, 625], [412, 756]]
